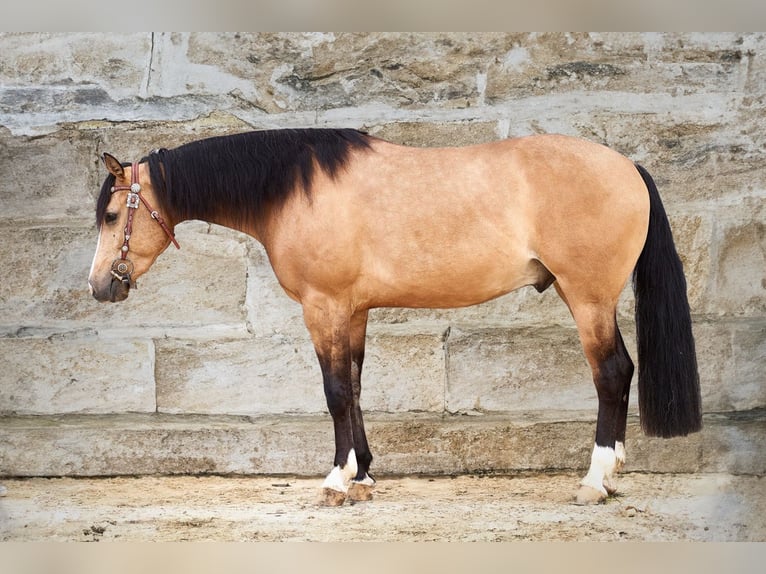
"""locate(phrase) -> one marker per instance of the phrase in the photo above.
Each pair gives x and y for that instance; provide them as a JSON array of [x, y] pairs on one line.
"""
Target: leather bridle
[[123, 267]]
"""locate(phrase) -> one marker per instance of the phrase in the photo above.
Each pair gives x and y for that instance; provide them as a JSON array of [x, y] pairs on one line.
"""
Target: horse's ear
[[113, 165]]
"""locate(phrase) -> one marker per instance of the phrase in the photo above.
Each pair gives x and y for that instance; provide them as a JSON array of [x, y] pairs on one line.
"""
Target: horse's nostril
[[98, 294]]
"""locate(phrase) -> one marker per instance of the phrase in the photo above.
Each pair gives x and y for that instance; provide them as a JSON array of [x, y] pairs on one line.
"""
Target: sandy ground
[[706, 507]]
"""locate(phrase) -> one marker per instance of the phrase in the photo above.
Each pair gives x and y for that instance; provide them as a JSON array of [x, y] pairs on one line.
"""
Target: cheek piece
[[122, 267]]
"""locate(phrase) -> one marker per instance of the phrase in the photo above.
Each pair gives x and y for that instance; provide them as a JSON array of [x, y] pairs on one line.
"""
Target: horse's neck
[[254, 231]]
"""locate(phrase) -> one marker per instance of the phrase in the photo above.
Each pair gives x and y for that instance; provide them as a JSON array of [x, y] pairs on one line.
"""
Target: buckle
[[133, 200]]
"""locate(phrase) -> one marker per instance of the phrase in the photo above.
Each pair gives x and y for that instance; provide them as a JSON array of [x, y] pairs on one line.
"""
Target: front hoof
[[331, 497], [587, 495], [360, 492]]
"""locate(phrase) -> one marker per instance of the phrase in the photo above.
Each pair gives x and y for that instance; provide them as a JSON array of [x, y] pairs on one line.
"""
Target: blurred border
[[391, 15], [399, 558]]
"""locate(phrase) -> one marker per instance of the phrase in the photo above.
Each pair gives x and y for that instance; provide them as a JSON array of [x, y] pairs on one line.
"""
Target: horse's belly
[[449, 284]]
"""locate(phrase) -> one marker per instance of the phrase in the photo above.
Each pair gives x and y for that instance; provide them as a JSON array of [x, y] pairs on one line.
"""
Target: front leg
[[337, 389], [362, 485], [329, 324]]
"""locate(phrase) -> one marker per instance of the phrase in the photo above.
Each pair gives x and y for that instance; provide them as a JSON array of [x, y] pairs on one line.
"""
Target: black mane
[[236, 177]]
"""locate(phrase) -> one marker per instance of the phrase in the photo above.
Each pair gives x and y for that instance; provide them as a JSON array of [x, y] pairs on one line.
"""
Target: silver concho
[[122, 268]]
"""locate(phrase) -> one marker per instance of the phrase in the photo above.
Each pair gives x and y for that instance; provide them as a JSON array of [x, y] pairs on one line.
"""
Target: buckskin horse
[[351, 222]]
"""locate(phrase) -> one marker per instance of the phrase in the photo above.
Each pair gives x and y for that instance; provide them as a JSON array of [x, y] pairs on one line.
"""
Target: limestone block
[[432, 134], [591, 62], [523, 369], [732, 444], [77, 445], [67, 63], [732, 358], [49, 79], [677, 454], [202, 284], [44, 179], [270, 375], [321, 71], [696, 159], [137, 444], [721, 169], [739, 285], [243, 376], [269, 310], [737, 448], [710, 62], [473, 443], [49, 274], [508, 369], [403, 372], [76, 374], [541, 63], [693, 236], [130, 141]]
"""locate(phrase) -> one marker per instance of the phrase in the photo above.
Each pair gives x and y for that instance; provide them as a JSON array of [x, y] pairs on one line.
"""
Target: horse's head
[[131, 233]]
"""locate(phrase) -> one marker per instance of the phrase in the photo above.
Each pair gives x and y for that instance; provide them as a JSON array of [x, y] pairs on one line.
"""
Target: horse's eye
[[110, 218]]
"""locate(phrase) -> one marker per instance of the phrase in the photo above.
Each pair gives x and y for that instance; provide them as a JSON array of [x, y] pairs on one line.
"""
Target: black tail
[[668, 382]]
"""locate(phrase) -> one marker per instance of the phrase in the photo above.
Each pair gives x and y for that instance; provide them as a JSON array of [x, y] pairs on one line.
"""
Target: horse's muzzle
[[114, 291]]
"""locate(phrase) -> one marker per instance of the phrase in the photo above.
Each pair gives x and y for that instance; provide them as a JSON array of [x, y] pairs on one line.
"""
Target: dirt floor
[[706, 507]]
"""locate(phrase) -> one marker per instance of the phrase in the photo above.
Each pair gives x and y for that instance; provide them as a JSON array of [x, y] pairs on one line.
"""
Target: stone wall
[[208, 368]]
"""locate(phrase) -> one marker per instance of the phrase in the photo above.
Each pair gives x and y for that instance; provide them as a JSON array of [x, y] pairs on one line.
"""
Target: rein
[[123, 267]]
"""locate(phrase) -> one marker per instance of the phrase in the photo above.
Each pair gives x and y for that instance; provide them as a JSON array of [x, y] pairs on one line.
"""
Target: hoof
[[360, 492], [588, 495], [331, 497], [610, 486]]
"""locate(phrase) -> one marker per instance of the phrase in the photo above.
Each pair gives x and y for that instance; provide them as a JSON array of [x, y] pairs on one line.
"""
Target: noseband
[[123, 267]]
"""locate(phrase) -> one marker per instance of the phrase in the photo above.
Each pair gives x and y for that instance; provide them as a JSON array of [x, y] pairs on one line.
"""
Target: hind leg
[[612, 371]]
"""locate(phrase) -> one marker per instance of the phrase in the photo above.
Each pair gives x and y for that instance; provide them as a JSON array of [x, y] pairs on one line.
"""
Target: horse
[[351, 222]]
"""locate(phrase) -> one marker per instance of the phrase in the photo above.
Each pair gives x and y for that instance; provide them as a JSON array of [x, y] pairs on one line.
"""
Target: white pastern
[[603, 463], [339, 478], [334, 480], [619, 452]]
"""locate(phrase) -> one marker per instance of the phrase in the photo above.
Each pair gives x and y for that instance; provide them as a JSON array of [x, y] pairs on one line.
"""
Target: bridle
[[123, 267]]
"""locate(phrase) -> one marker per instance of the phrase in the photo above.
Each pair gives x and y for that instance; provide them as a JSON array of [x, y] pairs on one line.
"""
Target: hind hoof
[[360, 492], [331, 497], [587, 495]]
